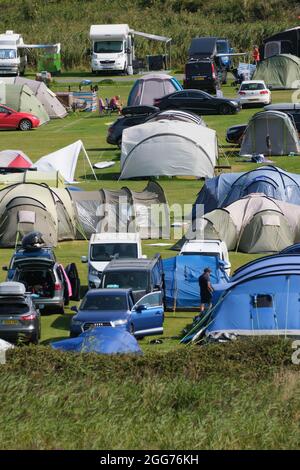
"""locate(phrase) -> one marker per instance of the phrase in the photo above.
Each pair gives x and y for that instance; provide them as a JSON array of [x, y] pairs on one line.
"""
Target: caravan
[[13, 59]]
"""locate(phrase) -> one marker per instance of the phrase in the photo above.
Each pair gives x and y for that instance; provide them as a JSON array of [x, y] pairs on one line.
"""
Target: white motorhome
[[216, 248], [13, 58], [104, 247], [112, 48]]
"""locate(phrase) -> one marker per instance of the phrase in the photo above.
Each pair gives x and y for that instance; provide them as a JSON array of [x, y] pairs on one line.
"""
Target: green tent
[[280, 72], [21, 98]]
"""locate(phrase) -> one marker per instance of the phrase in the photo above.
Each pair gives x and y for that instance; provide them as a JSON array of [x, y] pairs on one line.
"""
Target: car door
[[147, 315], [72, 274], [7, 119], [198, 102], [178, 100]]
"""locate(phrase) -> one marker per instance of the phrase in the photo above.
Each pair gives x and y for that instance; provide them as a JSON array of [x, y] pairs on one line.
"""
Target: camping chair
[[102, 106], [110, 108]]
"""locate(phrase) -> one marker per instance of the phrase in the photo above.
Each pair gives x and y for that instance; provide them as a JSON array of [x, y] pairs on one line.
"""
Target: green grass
[[240, 395]]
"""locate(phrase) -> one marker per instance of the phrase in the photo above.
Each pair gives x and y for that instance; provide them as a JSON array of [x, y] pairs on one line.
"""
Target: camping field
[[242, 395]]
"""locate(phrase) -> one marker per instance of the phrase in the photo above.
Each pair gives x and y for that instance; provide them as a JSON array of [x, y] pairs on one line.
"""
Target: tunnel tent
[[281, 72], [270, 133], [254, 224], [21, 98], [227, 188], [168, 148], [51, 178], [151, 86]]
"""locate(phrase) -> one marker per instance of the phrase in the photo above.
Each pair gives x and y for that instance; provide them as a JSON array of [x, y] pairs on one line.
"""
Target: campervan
[[104, 247], [112, 48], [13, 59]]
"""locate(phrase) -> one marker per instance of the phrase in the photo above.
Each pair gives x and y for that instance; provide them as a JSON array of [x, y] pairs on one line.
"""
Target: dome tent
[[281, 72], [21, 98], [151, 86]]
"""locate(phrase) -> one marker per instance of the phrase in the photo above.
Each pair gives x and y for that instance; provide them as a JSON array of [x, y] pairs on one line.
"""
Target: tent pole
[[89, 161]]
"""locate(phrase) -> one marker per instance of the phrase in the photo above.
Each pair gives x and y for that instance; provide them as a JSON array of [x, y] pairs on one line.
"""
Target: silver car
[[19, 318]]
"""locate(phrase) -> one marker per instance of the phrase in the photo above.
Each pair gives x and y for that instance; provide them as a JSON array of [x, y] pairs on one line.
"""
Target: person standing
[[255, 55], [206, 290]]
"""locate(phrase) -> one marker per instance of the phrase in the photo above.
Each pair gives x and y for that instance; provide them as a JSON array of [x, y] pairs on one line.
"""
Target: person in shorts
[[206, 290]]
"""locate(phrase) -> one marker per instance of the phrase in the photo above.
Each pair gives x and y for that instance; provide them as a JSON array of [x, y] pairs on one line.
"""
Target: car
[[204, 74], [19, 318], [198, 102], [134, 117], [43, 276], [253, 92], [234, 134], [11, 119], [117, 308]]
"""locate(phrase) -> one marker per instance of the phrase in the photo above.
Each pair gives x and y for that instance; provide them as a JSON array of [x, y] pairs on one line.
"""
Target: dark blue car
[[116, 308]]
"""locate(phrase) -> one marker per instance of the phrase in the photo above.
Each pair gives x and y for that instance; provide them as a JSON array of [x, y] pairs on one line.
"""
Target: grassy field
[[243, 395]]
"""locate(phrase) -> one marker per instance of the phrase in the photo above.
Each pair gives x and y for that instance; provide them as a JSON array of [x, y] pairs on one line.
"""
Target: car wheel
[[225, 109], [25, 125], [119, 142], [35, 339]]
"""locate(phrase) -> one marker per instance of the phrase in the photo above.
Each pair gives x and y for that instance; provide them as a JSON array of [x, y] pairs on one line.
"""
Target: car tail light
[[242, 93], [264, 92], [28, 317], [213, 71], [156, 102], [57, 286]]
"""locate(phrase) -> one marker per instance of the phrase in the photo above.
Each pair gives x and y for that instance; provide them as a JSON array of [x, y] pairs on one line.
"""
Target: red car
[[11, 119]]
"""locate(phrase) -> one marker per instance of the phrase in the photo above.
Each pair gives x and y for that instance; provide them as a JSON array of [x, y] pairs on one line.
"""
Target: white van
[[13, 59], [216, 248], [104, 247]]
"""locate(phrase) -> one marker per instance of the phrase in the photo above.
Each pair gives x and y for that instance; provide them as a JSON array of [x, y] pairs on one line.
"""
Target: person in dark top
[[206, 290]]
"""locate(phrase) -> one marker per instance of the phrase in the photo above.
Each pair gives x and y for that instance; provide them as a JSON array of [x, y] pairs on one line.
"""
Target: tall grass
[[67, 21]]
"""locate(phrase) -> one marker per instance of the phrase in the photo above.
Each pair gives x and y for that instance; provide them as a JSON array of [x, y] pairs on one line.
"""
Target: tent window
[[272, 48], [262, 301]]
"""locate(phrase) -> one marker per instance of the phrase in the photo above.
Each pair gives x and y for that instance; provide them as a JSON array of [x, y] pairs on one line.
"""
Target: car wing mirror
[[140, 308], [84, 259]]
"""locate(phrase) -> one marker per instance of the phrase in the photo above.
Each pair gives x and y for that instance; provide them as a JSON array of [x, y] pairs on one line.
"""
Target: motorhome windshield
[[108, 47], [8, 54], [107, 251]]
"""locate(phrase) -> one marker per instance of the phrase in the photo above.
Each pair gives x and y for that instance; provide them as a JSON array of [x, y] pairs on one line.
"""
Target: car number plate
[[41, 306], [10, 322], [199, 78]]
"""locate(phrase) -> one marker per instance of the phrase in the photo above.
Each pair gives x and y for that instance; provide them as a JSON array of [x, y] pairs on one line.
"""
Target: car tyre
[[225, 109], [119, 142], [25, 125]]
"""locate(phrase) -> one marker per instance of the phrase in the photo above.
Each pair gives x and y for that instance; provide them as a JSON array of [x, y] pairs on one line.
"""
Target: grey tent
[[52, 105], [21, 98], [29, 206], [253, 224], [168, 148], [270, 133], [151, 86], [281, 72]]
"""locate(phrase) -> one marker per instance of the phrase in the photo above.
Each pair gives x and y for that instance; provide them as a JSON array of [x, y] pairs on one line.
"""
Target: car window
[[11, 308], [3, 110], [150, 300], [252, 86], [137, 280], [181, 94], [104, 302]]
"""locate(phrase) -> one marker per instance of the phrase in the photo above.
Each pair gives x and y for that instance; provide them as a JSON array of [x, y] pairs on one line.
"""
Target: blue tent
[[227, 188], [181, 279], [261, 299], [291, 250], [102, 340]]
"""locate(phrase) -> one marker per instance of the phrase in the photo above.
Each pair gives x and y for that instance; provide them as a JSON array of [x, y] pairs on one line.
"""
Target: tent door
[[73, 276], [272, 48], [263, 313]]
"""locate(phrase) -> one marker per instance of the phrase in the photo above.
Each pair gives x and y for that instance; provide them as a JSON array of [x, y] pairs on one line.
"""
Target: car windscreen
[[7, 53], [137, 280], [106, 47], [252, 86], [107, 251], [222, 47], [13, 308], [202, 253], [104, 302]]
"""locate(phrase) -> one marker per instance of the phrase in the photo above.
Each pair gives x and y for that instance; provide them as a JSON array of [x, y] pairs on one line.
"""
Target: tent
[[21, 98], [181, 274], [123, 210], [14, 159], [28, 206], [270, 133], [51, 178], [254, 224], [101, 340], [260, 299], [281, 72], [169, 148], [64, 161], [227, 188], [151, 86]]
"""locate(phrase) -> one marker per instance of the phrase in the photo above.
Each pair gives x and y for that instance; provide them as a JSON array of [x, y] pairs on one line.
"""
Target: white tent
[[64, 161], [169, 148]]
